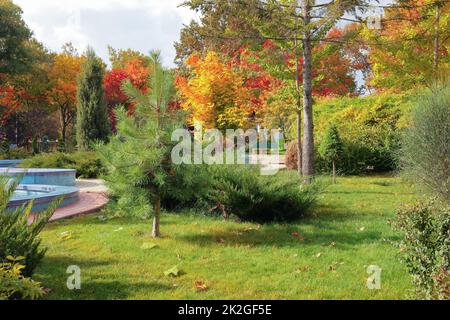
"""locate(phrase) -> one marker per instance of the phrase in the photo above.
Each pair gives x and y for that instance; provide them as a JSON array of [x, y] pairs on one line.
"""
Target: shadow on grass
[[94, 284]]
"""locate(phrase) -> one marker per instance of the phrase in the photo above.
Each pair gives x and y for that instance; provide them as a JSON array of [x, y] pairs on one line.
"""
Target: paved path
[[92, 199]]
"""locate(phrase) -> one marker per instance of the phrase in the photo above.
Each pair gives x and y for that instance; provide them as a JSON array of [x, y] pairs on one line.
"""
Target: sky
[[141, 25]]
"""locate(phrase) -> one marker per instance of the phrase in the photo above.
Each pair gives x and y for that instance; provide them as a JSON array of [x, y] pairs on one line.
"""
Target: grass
[[347, 231]]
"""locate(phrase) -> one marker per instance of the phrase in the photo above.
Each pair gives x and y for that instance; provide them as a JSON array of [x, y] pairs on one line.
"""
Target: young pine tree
[[92, 114], [331, 148], [138, 157]]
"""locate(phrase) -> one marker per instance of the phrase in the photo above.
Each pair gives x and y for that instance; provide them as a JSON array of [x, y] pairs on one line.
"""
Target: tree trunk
[[308, 127], [64, 123], [299, 102], [436, 41], [334, 172], [156, 218]]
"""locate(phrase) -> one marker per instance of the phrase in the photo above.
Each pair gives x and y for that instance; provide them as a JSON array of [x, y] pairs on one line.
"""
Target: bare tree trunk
[[334, 172], [308, 126], [156, 218]]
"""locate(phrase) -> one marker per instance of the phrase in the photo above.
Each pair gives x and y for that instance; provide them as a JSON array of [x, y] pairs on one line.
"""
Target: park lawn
[[347, 231]]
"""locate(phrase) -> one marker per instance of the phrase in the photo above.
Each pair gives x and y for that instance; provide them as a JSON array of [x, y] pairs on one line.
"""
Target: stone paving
[[92, 198]]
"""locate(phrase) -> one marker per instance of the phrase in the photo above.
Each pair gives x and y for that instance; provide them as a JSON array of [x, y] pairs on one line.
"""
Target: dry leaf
[[200, 285]]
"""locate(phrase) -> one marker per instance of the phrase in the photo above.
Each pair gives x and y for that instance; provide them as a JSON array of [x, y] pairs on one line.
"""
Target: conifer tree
[[138, 157], [92, 114], [331, 148]]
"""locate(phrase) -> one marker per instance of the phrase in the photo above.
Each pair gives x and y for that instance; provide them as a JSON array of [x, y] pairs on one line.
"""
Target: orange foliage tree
[[223, 95], [62, 92], [402, 53]]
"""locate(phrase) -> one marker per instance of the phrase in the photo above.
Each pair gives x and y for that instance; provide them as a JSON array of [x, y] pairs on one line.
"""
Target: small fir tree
[[331, 148], [92, 114], [138, 157]]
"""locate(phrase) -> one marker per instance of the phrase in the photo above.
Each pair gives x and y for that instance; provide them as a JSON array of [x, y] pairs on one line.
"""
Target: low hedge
[[87, 164]]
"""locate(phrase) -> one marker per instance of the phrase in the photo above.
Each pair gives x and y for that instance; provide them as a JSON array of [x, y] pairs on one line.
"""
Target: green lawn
[[236, 260]]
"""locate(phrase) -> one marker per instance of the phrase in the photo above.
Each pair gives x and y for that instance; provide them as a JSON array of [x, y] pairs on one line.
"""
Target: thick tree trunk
[[156, 218], [334, 172], [308, 127]]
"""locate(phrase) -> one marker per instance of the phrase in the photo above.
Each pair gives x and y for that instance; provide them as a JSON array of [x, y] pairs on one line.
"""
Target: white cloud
[[138, 24]]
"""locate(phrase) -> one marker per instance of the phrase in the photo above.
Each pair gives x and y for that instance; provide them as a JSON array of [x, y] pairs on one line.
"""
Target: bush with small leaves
[[425, 247]]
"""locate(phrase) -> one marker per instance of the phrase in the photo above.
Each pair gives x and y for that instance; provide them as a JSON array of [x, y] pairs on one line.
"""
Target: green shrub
[[425, 155], [15, 154], [243, 192], [14, 285], [370, 128], [17, 238], [425, 247], [87, 164]]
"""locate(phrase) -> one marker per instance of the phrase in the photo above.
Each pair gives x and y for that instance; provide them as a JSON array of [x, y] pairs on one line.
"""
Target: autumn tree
[[299, 26], [412, 48], [133, 70], [62, 95], [220, 94], [224, 27], [92, 114]]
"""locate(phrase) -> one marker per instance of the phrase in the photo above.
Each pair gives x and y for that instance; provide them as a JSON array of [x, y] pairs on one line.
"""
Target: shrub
[[370, 129], [425, 155], [15, 154], [291, 157], [426, 247], [14, 285], [17, 237], [331, 148], [87, 164], [243, 192]]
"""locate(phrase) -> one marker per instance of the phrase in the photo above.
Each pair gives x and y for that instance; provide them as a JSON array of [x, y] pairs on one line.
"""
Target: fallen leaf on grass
[[119, 229], [319, 255], [66, 235], [148, 246], [173, 272], [200, 285], [362, 229], [297, 235]]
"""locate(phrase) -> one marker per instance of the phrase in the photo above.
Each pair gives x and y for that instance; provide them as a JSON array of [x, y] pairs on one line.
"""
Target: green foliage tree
[[138, 157], [15, 55], [425, 155], [331, 148], [92, 114]]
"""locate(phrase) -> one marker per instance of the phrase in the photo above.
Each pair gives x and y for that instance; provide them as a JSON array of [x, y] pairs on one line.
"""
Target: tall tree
[[413, 46], [62, 94], [15, 56], [224, 27], [299, 25], [92, 114]]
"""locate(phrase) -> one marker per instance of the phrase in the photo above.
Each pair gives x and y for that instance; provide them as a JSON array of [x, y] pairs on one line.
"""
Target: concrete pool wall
[[51, 177], [42, 186], [43, 195], [10, 163]]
